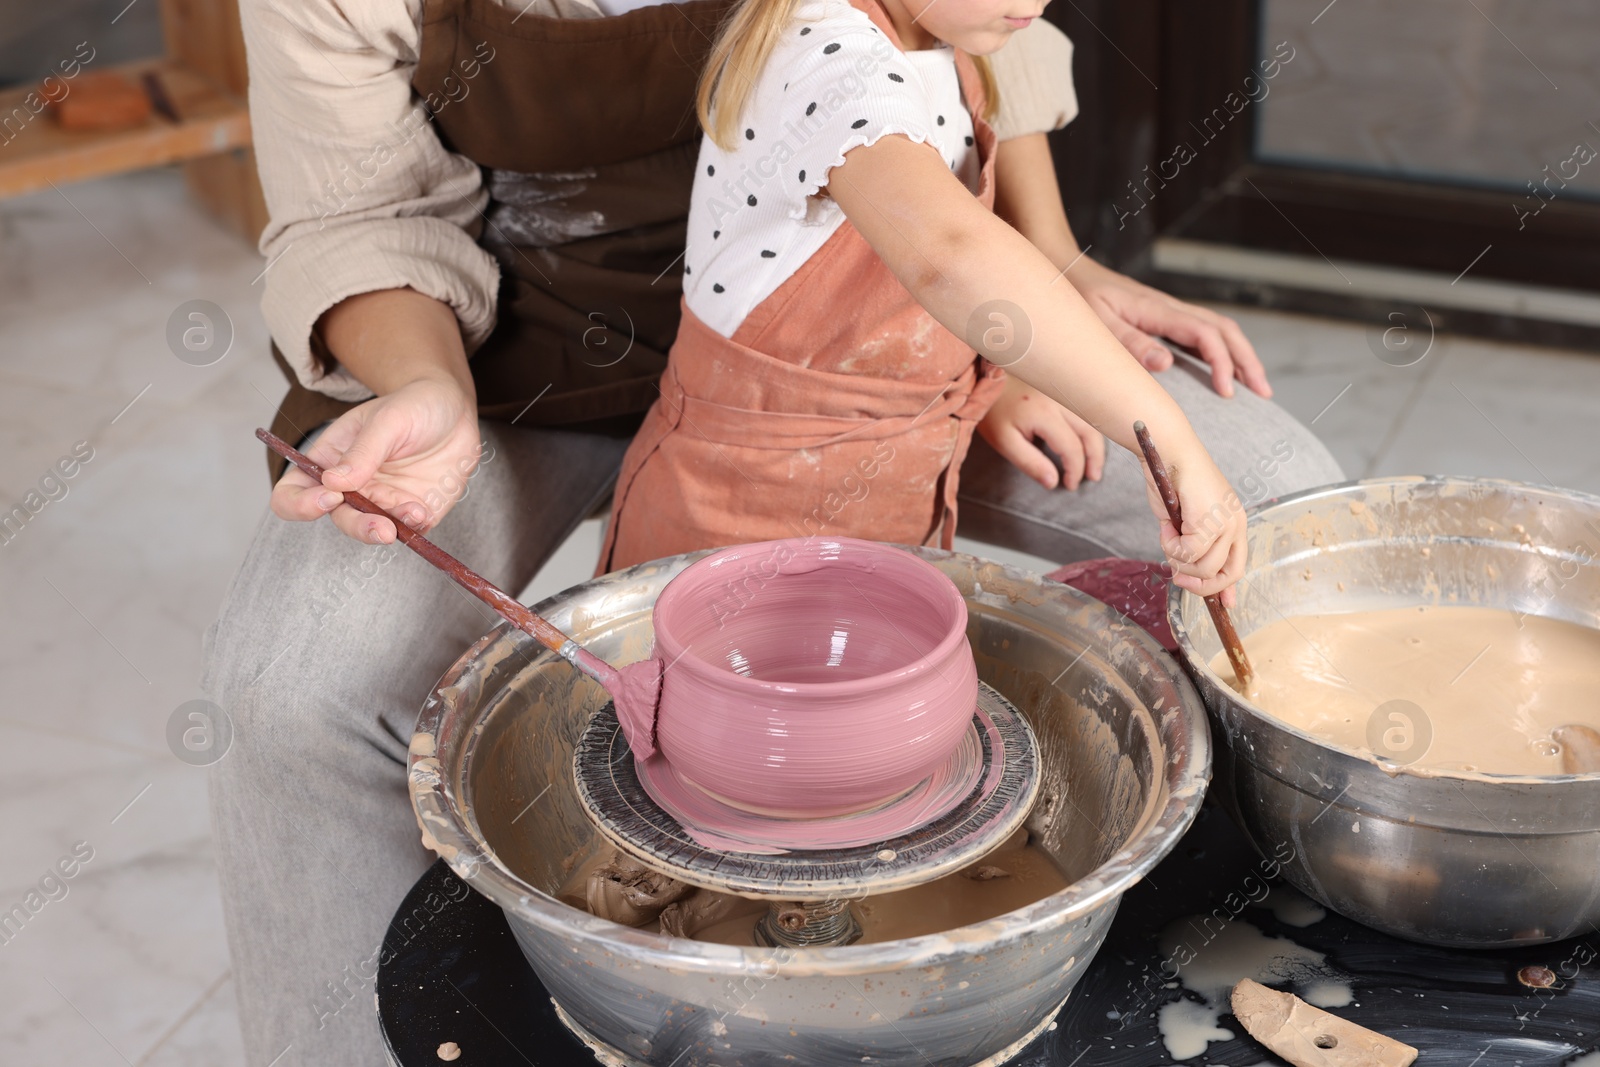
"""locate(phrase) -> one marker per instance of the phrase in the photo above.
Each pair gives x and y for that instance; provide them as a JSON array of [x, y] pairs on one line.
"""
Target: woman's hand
[[410, 452], [1208, 555], [1024, 415], [1137, 315]]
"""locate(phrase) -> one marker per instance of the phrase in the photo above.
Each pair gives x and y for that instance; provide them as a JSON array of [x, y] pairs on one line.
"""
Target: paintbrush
[[1219, 613], [507, 606]]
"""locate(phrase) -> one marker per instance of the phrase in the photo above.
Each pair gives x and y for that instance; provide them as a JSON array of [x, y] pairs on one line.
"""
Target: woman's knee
[[309, 623], [1293, 458], [1262, 449]]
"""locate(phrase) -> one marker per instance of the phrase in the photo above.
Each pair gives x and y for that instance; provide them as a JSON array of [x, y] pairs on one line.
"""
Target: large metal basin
[[1125, 759], [1446, 858]]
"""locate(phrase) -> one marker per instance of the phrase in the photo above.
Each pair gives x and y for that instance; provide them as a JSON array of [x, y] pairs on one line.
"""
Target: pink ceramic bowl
[[812, 677]]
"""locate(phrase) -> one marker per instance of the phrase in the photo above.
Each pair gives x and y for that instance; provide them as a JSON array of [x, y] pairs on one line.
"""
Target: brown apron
[[586, 132], [839, 407]]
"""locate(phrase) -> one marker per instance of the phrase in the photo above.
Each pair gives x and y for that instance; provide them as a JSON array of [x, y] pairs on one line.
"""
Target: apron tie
[[728, 424]]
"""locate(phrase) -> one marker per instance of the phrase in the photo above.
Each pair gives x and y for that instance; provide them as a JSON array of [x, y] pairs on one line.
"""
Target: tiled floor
[[1488, 92], [106, 590]]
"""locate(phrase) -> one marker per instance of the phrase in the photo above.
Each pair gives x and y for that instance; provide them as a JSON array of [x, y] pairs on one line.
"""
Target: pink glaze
[[728, 829], [637, 692], [809, 678]]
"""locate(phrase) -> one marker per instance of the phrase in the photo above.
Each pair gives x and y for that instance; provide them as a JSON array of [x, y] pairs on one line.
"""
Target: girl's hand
[[1208, 555], [1024, 415], [410, 452], [1137, 314]]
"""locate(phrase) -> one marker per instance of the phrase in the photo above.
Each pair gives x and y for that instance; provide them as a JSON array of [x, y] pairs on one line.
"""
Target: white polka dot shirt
[[833, 83]]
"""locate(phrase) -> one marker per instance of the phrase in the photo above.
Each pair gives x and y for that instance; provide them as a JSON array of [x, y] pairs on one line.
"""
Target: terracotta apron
[[838, 407], [586, 132]]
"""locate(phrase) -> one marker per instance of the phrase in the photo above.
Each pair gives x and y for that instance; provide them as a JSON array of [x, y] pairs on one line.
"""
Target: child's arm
[[954, 255], [1028, 197]]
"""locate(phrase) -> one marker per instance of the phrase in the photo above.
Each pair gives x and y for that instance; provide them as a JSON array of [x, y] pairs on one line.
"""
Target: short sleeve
[[847, 87], [1033, 74]]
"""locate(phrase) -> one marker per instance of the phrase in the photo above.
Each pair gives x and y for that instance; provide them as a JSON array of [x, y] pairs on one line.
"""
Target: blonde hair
[[744, 44]]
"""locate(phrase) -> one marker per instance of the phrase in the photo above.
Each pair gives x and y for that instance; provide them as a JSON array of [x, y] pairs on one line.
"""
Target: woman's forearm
[[390, 338], [1027, 196], [960, 261]]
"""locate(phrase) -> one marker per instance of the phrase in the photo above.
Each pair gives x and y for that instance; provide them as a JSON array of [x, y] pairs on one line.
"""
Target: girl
[[843, 262]]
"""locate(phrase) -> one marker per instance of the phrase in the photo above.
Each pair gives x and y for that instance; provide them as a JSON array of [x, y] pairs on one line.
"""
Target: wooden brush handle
[[1242, 670], [508, 607]]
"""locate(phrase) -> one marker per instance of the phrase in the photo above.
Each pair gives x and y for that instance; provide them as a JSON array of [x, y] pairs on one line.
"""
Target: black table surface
[[451, 971]]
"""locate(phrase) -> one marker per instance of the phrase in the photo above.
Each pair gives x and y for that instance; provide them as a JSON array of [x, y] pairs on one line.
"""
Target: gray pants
[[325, 649]]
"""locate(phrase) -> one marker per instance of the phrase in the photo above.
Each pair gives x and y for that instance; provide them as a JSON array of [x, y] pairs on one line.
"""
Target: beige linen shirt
[[362, 196]]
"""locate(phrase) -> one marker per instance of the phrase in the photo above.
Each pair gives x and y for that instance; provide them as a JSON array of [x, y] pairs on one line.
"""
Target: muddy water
[[1483, 689], [1005, 880]]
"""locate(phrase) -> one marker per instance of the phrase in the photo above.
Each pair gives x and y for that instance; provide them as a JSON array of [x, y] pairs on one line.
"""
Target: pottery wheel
[[968, 808]]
